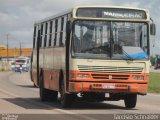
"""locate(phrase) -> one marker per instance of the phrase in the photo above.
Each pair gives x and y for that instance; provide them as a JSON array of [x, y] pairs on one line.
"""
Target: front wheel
[[130, 100], [65, 99]]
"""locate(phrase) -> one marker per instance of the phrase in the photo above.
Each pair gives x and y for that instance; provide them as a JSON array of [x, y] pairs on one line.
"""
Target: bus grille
[[110, 69], [110, 77]]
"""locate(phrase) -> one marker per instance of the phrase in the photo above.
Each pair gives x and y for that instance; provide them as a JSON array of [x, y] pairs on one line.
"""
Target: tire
[[65, 99], [52, 95], [130, 100], [45, 94], [42, 90]]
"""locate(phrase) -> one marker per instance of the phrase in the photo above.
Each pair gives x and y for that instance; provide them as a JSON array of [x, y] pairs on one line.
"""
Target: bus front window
[[130, 40], [110, 40], [91, 39]]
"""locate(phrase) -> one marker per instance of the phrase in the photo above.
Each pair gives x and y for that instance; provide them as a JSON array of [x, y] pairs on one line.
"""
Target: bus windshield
[[110, 40]]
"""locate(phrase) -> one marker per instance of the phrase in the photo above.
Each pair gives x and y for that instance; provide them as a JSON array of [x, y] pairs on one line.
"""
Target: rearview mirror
[[153, 29]]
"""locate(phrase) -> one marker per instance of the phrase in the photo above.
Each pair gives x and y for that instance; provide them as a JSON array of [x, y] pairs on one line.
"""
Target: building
[[12, 53], [7, 57], [2, 47]]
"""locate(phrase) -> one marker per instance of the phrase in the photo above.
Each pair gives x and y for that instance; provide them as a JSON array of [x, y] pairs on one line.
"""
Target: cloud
[[16, 37], [7, 21], [18, 16]]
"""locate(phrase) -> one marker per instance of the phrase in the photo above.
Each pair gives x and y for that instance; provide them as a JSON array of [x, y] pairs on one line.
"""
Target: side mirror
[[153, 29], [68, 27]]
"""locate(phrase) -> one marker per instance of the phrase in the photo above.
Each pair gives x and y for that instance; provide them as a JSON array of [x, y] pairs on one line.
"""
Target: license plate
[[109, 86]]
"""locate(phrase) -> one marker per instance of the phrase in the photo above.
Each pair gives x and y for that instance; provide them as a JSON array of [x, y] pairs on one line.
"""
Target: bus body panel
[[34, 67], [80, 87], [53, 64], [105, 72]]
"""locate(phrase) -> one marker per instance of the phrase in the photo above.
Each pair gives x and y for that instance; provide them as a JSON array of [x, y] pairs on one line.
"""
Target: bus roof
[[76, 7], [53, 16]]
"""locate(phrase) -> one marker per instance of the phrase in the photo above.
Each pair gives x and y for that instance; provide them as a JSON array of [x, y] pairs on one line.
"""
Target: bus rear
[[109, 53]]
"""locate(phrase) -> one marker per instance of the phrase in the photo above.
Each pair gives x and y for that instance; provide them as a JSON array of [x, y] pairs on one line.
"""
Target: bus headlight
[[137, 77], [82, 76], [85, 76]]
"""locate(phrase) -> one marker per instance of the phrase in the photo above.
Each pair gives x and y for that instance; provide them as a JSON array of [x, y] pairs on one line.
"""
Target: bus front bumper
[[78, 87]]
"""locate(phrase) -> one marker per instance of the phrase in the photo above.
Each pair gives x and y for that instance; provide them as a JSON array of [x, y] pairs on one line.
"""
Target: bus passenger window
[[64, 30], [55, 38], [58, 32], [41, 38], [34, 38], [53, 33], [45, 37], [50, 33], [61, 33]]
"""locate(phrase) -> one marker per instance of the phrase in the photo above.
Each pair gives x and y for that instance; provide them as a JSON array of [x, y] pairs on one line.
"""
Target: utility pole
[[7, 46], [20, 49]]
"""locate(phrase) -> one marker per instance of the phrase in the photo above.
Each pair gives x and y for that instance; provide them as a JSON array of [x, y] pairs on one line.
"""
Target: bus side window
[[45, 37], [50, 33], [69, 16], [55, 38], [34, 37], [64, 30], [58, 32], [53, 33], [61, 44], [41, 36]]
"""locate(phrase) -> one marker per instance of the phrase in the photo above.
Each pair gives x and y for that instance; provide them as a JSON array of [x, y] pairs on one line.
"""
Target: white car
[[22, 64]]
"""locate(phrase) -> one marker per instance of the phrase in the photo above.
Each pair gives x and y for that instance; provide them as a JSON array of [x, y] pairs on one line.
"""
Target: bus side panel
[[34, 66], [54, 62], [47, 67]]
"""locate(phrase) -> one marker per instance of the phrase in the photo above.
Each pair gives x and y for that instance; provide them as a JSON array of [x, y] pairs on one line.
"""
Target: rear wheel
[[43, 91], [46, 94], [65, 99], [130, 100], [52, 95]]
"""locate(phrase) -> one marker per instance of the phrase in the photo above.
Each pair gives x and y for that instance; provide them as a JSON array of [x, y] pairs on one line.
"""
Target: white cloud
[[7, 20], [134, 4], [21, 36], [93, 2], [18, 16]]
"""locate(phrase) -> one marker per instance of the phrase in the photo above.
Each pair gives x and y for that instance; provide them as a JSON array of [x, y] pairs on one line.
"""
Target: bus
[[93, 53]]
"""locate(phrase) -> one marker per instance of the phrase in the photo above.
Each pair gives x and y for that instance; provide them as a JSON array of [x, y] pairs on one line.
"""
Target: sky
[[17, 17]]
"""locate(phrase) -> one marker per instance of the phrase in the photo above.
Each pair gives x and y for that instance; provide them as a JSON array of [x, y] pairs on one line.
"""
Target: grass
[[154, 82]]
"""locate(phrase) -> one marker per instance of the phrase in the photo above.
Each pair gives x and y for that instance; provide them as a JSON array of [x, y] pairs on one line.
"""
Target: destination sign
[[116, 13]]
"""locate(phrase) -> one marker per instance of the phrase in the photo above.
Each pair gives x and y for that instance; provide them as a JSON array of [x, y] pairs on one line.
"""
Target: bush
[[152, 59]]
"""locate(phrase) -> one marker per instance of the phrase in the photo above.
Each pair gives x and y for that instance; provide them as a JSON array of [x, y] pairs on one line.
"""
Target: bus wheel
[[46, 94], [130, 100], [43, 91], [65, 99], [52, 95]]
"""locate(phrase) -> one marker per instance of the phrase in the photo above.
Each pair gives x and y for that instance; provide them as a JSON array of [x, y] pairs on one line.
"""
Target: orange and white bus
[[89, 51]]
